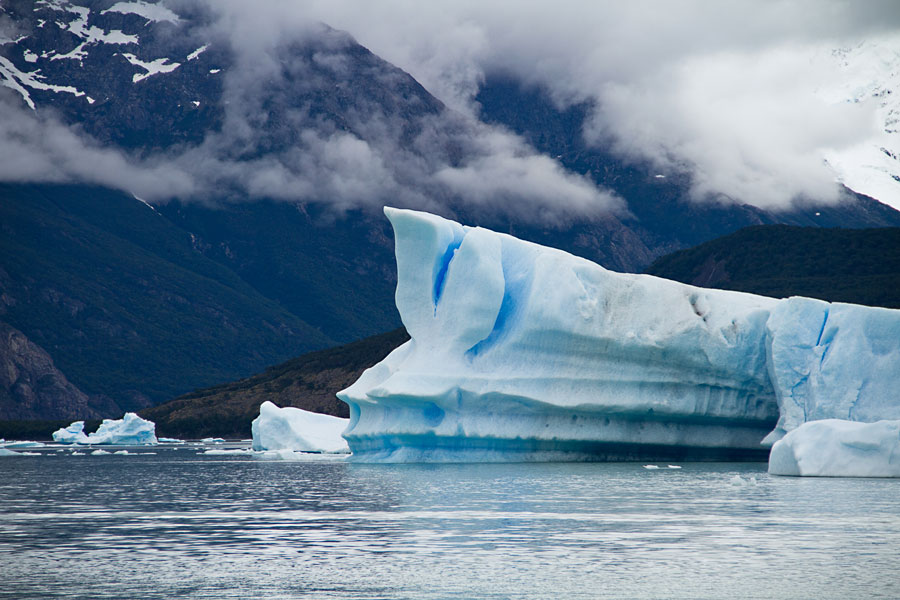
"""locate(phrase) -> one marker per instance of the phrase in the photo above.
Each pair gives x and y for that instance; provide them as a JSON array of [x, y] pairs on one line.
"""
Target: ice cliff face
[[521, 352]]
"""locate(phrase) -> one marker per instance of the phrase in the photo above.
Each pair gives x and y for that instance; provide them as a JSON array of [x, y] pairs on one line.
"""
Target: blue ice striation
[[520, 352]]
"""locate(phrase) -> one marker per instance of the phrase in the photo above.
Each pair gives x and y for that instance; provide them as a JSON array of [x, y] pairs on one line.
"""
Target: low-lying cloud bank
[[747, 98]]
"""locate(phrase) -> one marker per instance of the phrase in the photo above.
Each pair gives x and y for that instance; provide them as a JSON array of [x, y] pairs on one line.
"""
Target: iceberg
[[294, 429], [130, 430], [839, 448], [833, 361], [520, 352], [73, 434]]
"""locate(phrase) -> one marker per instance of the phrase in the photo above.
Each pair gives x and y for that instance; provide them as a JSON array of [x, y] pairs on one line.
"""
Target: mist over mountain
[[191, 191]]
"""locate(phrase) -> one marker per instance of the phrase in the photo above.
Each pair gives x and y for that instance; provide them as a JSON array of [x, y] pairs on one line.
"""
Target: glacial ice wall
[[522, 352]]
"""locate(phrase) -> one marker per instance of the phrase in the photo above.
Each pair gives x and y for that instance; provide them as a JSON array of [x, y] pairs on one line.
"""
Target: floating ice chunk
[[21, 444], [99, 452], [295, 429], [674, 466], [833, 361], [130, 430], [226, 452], [121, 452], [5, 452], [213, 440], [651, 467], [836, 448], [73, 434], [737, 480], [165, 440]]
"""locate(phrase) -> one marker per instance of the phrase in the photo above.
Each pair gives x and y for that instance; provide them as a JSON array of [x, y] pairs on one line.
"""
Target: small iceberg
[[227, 452], [165, 440], [297, 430], [213, 440], [838, 448], [130, 430], [5, 452], [21, 444]]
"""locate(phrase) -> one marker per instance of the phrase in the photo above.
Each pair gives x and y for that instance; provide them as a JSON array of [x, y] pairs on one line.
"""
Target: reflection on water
[[179, 524]]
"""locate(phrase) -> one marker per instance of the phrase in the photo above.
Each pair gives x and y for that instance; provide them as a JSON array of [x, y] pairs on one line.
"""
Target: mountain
[[308, 382], [861, 266], [180, 210]]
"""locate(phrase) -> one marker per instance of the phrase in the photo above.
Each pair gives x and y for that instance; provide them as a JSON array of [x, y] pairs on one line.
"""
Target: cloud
[[736, 93], [310, 117]]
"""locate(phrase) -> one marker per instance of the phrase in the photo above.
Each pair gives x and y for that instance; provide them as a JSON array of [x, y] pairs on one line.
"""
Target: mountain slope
[[309, 382], [124, 305], [860, 266]]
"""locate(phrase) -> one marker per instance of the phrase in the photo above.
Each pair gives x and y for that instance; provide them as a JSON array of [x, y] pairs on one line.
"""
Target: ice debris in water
[[522, 352], [839, 448], [213, 440], [5, 452], [130, 430], [295, 429], [737, 480]]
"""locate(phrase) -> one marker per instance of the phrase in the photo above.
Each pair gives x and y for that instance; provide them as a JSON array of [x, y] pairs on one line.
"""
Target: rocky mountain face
[[264, 171], [31, 387]]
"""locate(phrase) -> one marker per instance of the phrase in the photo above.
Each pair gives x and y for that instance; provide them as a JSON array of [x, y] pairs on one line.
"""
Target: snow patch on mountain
[[197, 52], [154, 67], [152, 12], [12, 77], [869, 74]]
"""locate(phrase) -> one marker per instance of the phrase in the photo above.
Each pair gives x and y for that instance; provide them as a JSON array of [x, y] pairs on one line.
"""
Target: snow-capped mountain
[[870, 73]]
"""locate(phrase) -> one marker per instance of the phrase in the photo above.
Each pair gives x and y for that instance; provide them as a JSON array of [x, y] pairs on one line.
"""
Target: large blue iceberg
[[522, 352]]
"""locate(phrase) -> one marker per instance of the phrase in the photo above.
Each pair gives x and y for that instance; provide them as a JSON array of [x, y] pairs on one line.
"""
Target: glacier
[[839, 448], [130, 430], [520, 352], [297, 430]]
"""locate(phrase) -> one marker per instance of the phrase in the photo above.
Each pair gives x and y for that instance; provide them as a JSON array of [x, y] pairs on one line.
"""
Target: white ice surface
[[130, 430], [521, 352], [836, 448], [294, 429]]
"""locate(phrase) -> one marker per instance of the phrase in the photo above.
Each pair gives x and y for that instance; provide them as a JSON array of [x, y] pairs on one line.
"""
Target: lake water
[[182, 524]]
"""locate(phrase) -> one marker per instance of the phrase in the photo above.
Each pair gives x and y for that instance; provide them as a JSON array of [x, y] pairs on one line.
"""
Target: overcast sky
[[748, 97]]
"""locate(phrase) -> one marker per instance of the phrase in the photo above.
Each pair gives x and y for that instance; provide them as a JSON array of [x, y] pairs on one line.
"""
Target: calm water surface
[[181, 524]]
